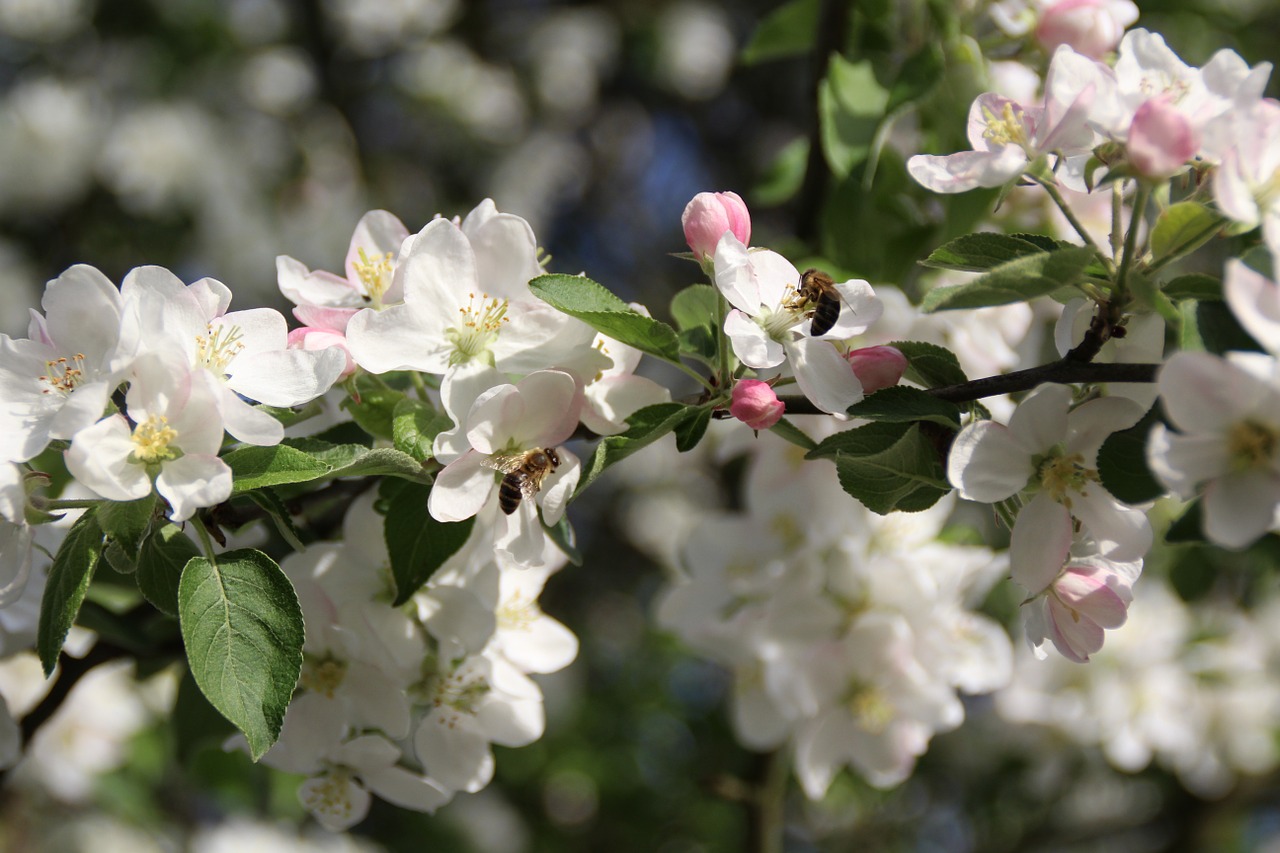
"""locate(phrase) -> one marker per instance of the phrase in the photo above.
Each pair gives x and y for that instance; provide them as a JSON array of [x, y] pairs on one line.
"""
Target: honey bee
[[524, 473], [819, 290]]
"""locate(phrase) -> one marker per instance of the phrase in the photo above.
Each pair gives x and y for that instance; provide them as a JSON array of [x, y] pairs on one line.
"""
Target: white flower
[[339, 796], [1091, 594], [767, 327], [466, 298], [1244, 186], [59, 381], [1227, 413], [1255, 301], [505, 428], [175, 438], [1052, 451]]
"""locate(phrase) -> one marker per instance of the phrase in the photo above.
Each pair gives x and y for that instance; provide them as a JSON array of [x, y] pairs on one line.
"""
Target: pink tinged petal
[[193, 481], [453, 751], [1123, 533], [708, 216], [247, 424], [755, 404], [407, 790], [461, 488], [558, 487], [1255, 301], [1088, 590], [877, 367], [1040, 421], [377, 700], [734, 275], [399, 338], [1240, 507], [823, 375], [334, 319], [1074, 635], [287, 377], [1040, 543], [1161, 139], [1182, 462], [83, 310], [751, 344], [967, 170], [986, 464], [335, 799], [311, 339], [99, 459]]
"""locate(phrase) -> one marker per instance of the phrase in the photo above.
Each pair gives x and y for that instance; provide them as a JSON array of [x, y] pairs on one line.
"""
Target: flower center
[[216, 349], [1250, 445], [1006, 129], [519, 613], [64, 374], [868, 706], [323, 676], [461, 691], [375, 274], [480, 321], [1066, 473], [151, 440], [778, 324], [331, 795]]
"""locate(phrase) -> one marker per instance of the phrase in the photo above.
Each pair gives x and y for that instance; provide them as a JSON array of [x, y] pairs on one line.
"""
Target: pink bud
[[1161, 138], [1091, 27], [709, 215], [755, 404], [877, 367], [1084, 600], [312, 338]]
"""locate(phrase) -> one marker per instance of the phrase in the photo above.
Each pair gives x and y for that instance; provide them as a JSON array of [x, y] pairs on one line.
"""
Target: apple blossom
[[59, 380], [1244, 185], [1090, 27], [767, 328], [708, 216], [755, 404], [174, 439], [1255, 301], [1161, 139], [1227, 415], [1090, 595], [877, 367]]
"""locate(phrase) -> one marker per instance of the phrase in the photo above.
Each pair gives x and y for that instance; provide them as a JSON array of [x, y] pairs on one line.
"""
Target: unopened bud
[[877, 367], [755, 404], [708, 215], [1161, 139]]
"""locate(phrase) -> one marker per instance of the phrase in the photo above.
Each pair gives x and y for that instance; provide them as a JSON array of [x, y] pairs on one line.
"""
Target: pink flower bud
[[877, 367], [1161, 138], [709, 215], [755, 404], [1084, 601], [1091, 27], [312, 338]]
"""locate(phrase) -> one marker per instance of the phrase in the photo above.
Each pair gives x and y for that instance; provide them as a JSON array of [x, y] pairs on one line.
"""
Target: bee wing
[[504, 462], [529, 487]]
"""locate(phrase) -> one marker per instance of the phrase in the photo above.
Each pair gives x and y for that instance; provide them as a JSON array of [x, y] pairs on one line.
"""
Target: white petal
[[453, 752], [734, 276], [407, 790], [1123, 533], [1255, 300], [824, 375], [337, 802], [401, 337], [286, 377], [966, 170], [986, 464], [83, 309], [751, 344], [461, 488], [193, 481], [1040, 421], [1040, 543], [1238, 508], [247, 424], [99, 459]]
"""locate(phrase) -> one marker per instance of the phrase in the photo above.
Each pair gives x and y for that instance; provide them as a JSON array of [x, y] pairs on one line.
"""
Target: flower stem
[[206, 541], [1131, 242], [1075, 223]]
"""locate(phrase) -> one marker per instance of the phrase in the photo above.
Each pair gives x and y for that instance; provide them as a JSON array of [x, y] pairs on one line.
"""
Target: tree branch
[[1066, 371]]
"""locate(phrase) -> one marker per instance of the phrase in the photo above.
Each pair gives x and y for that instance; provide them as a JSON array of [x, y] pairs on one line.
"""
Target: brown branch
[[1066, 371]]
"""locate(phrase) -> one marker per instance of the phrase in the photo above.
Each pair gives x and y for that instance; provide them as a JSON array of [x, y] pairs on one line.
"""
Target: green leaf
[[903, 404], [920, 73], [644, 427], [851, 105], [982, 251], [1194, 286], [415, 425], [784, 176], [376, 406], [792, 433], [416, 543], [697, 306], [381, 462], [887, 467], [690, 431], [591, 303], [1122, 463], [699, 343], [1220, 331], [160, 562], [64, 590], [1013, 281], [270, 503], [242, 628], [127, 521], [119, 558], [255, 467], [1043, 241], [1182, 228], [786, 31], [930, 365]]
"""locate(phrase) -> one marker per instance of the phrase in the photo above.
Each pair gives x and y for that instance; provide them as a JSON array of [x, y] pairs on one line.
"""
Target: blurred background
[[210, 137]]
